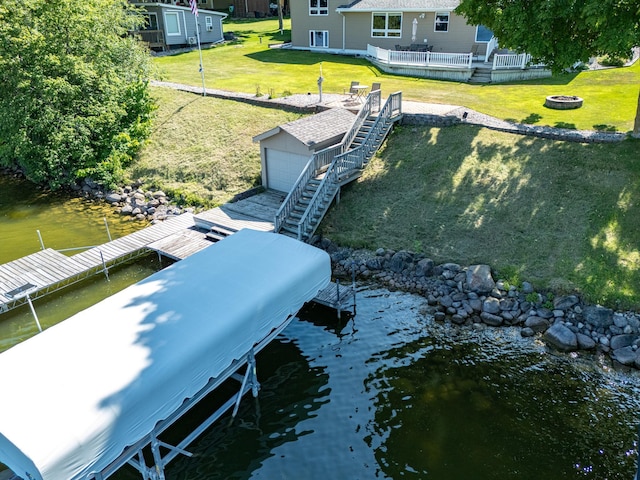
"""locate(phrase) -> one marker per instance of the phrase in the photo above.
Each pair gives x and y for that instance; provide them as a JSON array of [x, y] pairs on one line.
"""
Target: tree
[[561, 32], [74, 101]]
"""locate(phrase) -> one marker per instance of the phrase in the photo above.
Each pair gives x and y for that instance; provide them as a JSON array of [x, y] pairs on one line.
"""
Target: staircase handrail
[[321, 159], [342, 164]]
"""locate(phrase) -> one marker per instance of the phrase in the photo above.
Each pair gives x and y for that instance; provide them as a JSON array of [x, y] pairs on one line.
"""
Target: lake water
[[386, 393]]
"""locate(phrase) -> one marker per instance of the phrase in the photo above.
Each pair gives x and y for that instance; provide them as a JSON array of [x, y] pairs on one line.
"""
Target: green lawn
[[559, 214], [201, 148], [555, 213], [249, 65]]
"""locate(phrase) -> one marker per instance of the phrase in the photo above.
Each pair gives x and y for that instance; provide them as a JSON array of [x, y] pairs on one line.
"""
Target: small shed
[[286, 149]]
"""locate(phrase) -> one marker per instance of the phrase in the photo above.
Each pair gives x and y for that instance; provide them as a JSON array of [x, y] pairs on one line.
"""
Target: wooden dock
[[338, 297], [178, 237], [46, 271]]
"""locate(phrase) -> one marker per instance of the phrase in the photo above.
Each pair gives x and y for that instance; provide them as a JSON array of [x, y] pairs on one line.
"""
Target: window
[[318, 7], [442, 22], [172, 23], [151, 21], [319, 38], [386, 25], [483, 34], [209, 23]]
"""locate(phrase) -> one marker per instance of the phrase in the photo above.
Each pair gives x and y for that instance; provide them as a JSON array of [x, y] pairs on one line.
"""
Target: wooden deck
[[337, 296], [46, 271], [178, 237]]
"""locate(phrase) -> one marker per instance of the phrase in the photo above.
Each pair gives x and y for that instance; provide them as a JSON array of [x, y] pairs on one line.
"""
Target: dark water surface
[[385, 394], [390, 394]]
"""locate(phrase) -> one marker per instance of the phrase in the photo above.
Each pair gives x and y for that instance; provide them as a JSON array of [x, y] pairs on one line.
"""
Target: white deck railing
[[501, 60], [422, 59], [491, 46]]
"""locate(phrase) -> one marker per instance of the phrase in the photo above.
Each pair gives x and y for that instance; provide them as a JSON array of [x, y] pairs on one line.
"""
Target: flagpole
[[204, 91], [194, 9]]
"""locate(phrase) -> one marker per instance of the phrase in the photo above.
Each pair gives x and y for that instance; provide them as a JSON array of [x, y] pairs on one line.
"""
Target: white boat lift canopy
[[81, 395]]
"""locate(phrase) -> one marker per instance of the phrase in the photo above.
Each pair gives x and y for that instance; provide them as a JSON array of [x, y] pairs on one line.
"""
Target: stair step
[[222, 230], [214, 237]]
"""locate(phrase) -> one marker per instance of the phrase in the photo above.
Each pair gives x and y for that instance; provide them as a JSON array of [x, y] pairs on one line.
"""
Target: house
[[335, 26], [420, 38], [171, 24], [285, 150]]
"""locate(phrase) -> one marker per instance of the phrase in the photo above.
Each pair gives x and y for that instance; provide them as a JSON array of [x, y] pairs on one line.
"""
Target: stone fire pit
[[563, 102]]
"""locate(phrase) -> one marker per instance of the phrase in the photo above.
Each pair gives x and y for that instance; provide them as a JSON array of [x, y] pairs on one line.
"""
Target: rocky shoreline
[[462, 295], [470, 296], [133, 201]]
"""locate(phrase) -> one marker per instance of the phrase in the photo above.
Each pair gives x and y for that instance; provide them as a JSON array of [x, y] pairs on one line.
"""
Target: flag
[[194, 7]]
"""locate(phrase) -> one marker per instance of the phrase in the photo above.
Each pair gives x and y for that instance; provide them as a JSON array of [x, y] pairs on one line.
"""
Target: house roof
[[399, 5], [180, 7], [315, 129]]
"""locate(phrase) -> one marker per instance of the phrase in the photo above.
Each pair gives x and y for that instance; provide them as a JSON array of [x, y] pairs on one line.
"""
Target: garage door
[[283, 169]]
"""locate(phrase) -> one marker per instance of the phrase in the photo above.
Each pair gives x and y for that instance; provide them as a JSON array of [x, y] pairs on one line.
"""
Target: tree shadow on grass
[[552, 211], [300, 58], [531, 119]]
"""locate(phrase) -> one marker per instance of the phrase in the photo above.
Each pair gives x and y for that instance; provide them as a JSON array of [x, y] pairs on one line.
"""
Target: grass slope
[[555, 213], [201, 148], [559, 214]]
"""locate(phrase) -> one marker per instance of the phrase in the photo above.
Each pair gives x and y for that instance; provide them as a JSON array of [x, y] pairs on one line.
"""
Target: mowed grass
[[249, 65], [201, 148], [561, 215]]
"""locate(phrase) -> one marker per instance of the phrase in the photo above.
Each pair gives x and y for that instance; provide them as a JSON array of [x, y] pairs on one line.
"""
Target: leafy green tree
[[561, 32], [74, 101]]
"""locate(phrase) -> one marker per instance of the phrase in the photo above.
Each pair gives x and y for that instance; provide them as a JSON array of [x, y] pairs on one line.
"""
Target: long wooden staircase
[[328, 170]]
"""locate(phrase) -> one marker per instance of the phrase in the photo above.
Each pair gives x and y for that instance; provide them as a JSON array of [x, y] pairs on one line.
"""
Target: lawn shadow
[[555, 212], [605, 128], [557, 79], [532, 118], [292, 57], [567, 125]]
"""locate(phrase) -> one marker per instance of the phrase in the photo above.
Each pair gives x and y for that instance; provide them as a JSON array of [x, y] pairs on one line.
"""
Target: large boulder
[[491, 305], [621, 341], [625, 355], [597, 316], [561, 337], [585, 342], [479, 279], [424, 268], [565, 302], [400, 261], [537, 324]]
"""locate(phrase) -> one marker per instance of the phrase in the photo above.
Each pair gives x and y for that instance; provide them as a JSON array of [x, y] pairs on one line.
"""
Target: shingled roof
[[315, 129], [400, 5]]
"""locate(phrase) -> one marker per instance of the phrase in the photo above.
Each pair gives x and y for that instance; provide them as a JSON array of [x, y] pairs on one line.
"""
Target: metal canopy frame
[[134, 454]]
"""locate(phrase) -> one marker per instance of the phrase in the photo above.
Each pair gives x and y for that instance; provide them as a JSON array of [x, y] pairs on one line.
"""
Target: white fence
[[422, 59], [511, 61]]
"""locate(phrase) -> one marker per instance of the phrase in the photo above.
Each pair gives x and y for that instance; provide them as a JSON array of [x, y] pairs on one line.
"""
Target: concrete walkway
[[415, 113]]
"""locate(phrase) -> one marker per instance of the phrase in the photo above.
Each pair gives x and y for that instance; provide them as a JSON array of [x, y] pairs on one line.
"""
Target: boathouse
[[286, 149], [96, 391]]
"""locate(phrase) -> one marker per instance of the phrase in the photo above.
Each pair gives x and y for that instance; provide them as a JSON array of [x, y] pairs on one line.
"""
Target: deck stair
[[218, 232], [481, 75], [328, 170]]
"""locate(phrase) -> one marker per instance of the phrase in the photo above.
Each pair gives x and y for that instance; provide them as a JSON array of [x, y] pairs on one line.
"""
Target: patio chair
[[353, 91], [375, 86], [398, 48]]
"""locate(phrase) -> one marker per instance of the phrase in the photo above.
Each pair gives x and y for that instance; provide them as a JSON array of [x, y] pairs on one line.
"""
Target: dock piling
[[106, 225], [41, 242]]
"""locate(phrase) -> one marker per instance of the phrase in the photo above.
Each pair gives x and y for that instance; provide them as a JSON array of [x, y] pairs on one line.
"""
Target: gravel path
[[416, 113]]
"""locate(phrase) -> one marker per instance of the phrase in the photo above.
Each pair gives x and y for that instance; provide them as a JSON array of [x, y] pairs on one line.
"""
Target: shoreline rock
[[471, 295], [132, 200]]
